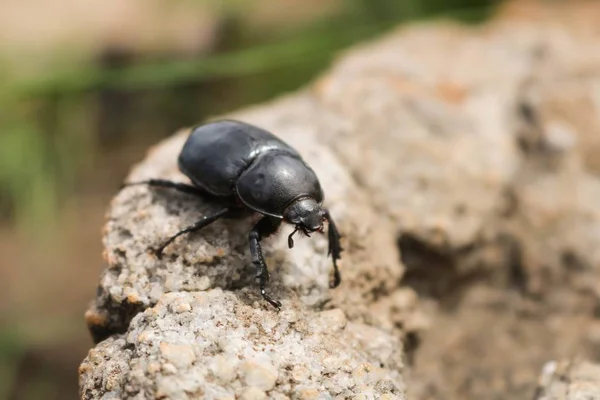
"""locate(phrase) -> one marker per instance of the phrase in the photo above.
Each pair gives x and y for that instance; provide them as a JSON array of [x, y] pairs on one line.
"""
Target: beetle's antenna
[[290, 239]]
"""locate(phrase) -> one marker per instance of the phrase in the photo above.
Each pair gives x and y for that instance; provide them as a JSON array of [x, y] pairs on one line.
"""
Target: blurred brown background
[[86, 88]]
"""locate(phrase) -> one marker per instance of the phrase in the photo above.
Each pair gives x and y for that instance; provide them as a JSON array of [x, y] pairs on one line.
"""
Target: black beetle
[[250, 169]]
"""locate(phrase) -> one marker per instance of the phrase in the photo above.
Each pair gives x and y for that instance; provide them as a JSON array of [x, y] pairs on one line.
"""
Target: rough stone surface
[[569, 380], [471, 150], [524, 289], [217, 346], [420, 132]]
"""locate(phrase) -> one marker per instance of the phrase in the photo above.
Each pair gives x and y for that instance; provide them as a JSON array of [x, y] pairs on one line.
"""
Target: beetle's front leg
[[263, 228], [335, 250]]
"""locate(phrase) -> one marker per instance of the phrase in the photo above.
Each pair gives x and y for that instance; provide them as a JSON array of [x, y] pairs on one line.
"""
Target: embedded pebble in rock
[[253, 393], [181, 356], [223, 347], [257, 375]]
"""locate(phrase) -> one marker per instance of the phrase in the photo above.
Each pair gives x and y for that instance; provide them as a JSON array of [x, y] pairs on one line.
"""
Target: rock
[[253, 393], [472, 150], [208, 277], [224, 347], [569, 380], [559, 233], [524, 287], [411, 114]]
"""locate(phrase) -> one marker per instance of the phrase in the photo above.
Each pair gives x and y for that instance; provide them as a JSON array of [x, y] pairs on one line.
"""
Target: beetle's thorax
[[275, 180], [306, 214]]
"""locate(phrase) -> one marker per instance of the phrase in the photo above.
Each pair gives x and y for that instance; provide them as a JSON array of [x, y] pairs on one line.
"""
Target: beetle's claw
[[158, 252], [335, 282], [337, 278], [291, 238], [271, 300]]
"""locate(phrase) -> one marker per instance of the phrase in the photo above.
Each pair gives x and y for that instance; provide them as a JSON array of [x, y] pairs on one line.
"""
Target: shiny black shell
[[232, 158]]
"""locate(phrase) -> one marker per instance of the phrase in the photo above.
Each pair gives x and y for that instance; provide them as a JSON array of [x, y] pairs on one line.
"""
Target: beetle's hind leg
[[196, 226], [263, 228], [335, 250], [163, 183]]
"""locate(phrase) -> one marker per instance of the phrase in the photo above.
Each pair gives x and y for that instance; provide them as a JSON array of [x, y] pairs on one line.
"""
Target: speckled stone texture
[[211, 344]]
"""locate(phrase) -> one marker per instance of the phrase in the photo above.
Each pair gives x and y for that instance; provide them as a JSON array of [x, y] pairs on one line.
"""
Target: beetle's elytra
[[248, 168]]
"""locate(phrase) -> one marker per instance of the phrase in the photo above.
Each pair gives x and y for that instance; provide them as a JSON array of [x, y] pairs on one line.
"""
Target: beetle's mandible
[[247, 168]]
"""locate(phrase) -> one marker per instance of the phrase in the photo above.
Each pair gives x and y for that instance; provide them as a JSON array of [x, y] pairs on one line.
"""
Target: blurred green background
[[86, 88]]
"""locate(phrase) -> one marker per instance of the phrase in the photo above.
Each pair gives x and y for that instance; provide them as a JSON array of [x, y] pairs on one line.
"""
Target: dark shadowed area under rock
[[460, 164]]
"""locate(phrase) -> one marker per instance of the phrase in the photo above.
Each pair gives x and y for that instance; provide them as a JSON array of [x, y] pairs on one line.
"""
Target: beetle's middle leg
[[196, 226], [263, 228]]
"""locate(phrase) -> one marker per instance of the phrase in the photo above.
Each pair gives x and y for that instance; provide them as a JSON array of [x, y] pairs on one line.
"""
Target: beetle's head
[[307, 215]]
